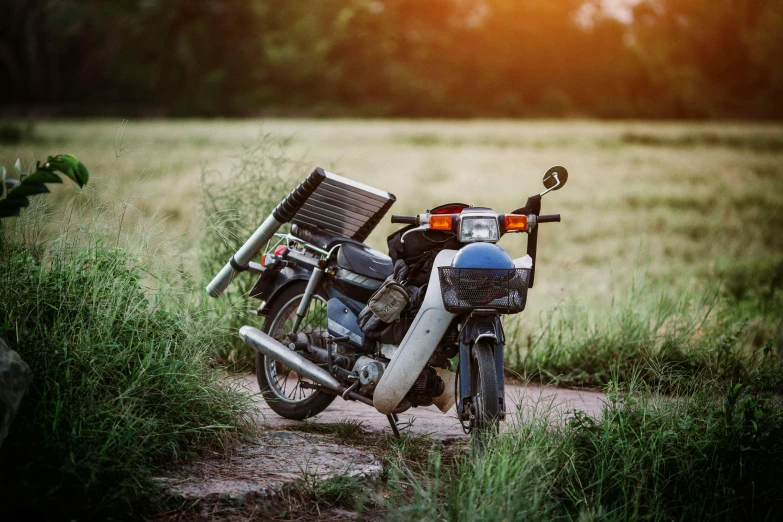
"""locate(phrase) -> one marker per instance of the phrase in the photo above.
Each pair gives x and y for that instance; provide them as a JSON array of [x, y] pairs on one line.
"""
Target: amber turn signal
[[440, 222], [515, 222]]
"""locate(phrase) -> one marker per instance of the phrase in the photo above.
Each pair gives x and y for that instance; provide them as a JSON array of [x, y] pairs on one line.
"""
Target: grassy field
[[679, 199], [677, 207], [669, 257]]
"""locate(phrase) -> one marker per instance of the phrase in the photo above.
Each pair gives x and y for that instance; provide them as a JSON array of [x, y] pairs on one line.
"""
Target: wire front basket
[[467, 289]]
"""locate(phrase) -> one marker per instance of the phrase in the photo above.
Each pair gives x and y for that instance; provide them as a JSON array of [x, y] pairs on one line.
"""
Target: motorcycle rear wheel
[[279, 384]]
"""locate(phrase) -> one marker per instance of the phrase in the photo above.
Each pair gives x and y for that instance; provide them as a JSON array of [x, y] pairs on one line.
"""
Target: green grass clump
[[731, 331], [341, 491], [693, 458], [121, 381]]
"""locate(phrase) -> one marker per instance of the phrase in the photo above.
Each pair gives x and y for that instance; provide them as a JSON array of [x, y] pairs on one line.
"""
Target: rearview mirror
[[555, 178]]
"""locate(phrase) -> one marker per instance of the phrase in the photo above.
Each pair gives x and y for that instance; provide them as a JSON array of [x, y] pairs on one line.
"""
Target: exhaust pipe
[[265, 344]]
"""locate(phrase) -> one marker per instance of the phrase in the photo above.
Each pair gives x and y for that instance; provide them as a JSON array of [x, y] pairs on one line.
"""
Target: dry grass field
[[677, 200], [656, 217]]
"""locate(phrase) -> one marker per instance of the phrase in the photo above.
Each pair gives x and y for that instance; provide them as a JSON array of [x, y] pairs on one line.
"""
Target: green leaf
[[57, 165], [15, 202], [8, 211], [35, 183], [2, 172], [70, 166], [43, 176], [84, 175], [27, 189]]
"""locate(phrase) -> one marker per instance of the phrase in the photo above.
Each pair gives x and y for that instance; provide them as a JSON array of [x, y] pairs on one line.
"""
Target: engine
[[427, 386], [370, 372]]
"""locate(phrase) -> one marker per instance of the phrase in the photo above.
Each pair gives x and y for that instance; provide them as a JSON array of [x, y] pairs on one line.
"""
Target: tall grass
[[120, 363], [233, 207], [728, 330], [693, 458]]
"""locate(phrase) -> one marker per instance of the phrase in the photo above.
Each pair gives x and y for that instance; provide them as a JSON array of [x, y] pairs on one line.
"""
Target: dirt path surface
[[430, 420], [261, 471]]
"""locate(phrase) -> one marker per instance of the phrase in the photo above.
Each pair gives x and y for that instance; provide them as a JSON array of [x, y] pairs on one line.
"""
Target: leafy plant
[[32, 183]]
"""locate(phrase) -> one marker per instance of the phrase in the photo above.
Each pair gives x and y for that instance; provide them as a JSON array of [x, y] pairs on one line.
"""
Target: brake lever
[[420, 227]]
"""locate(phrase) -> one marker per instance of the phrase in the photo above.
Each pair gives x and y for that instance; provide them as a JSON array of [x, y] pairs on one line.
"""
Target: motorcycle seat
[[363, 260]]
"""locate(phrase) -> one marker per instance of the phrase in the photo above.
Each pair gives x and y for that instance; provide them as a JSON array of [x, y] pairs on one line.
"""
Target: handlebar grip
[[406, 220], [549, 218]]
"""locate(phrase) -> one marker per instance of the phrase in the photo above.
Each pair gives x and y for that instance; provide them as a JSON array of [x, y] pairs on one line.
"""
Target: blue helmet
[[482, 255]]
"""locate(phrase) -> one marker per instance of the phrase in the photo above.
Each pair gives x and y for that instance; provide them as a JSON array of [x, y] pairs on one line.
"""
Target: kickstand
[[394, 422]]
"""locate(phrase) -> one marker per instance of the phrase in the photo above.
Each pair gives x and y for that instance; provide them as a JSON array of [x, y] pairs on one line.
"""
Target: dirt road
[[430, 420], [261, 470]]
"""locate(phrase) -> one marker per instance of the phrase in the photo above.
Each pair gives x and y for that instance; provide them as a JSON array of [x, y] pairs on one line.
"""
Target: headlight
[[478, 229]]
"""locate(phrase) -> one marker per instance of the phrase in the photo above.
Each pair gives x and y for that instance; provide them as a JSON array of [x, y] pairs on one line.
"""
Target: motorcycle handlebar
[[406, 220], [414, 220], [549, 218]]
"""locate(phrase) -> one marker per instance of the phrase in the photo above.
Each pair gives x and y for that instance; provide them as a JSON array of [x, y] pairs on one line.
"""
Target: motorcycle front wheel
[[485, 416], [280, 385]]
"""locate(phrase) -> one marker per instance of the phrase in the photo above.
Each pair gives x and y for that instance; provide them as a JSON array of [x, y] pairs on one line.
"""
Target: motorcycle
[[446, 284]]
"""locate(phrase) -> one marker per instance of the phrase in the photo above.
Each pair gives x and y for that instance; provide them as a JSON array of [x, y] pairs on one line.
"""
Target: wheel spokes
[[314, 322]]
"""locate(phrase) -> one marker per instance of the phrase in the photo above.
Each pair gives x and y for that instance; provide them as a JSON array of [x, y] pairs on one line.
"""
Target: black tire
[[303, 404], [484, 389]]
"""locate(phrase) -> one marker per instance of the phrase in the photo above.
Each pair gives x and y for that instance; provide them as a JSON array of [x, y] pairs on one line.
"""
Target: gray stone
[[261, 470], [15, 377]]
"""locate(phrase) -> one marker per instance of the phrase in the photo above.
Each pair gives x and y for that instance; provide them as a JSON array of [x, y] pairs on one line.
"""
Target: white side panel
[[419, 343], [523, 262]]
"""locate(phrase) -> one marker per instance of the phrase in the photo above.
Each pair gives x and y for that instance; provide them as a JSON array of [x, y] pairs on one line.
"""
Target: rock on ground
[[15, 377], [261, 470]]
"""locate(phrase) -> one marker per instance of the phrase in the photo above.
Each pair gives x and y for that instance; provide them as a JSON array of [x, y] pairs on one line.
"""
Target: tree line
[[442, 58]]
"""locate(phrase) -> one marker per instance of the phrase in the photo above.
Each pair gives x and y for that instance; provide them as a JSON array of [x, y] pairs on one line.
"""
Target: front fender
[[475, 329]]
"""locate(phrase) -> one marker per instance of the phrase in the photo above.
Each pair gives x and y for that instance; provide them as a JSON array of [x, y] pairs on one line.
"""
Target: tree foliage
[[671, 58]]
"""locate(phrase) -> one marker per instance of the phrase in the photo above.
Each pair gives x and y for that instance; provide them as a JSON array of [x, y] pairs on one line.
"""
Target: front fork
[[477, 328]]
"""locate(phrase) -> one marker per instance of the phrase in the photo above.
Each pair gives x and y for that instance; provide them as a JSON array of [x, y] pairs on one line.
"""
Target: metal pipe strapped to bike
[[283, 213]]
